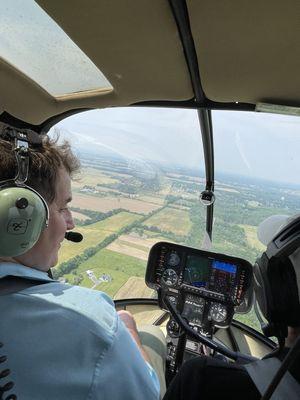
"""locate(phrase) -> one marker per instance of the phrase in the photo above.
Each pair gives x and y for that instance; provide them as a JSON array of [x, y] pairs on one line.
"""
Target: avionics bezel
[[184, 251]]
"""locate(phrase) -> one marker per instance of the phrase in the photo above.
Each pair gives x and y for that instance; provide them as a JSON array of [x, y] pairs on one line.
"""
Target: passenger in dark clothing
[[211, 379]]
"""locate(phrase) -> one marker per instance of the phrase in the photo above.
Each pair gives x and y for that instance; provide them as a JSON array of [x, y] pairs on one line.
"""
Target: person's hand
[[128, 320], [130, 324]]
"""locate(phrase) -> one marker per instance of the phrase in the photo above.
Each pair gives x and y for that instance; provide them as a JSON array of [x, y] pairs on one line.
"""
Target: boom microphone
[[74, 236]]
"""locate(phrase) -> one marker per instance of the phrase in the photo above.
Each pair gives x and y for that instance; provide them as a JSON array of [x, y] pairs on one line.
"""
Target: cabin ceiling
[[247, 52]]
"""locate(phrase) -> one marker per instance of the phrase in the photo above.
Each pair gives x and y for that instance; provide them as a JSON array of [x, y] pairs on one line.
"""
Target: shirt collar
[[12, 269]]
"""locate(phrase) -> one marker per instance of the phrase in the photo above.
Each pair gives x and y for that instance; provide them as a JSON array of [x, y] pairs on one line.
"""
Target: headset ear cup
[[23, 216], [276, 290], [283, 282], [261, 286]]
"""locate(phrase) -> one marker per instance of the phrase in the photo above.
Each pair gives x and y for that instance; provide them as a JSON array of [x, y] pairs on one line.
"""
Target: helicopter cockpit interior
[[201, 291], [185, 117]]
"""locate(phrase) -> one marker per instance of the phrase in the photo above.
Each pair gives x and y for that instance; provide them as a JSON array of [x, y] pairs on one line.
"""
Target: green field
[[95, 233], [251, 235], [171, 201], [119, 266], [171, 220], [249, 319]]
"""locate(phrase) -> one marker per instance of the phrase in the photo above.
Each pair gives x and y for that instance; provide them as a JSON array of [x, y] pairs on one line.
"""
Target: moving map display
[[210, 274]]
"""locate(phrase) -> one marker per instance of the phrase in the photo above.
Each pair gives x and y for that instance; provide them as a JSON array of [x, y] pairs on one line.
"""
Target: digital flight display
[[197, 271], [211, 274]]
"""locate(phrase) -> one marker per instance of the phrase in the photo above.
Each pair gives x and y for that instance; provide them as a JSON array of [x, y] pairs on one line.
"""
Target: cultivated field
[[171, 220], [153, 199], [119, 266], [104, 204], [79, 216], [134, 288], [95, 233], [134, 246], [92, 177], [251, 235]]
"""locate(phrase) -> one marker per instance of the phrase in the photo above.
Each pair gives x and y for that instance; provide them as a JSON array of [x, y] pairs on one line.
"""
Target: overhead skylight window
[[34, 44]]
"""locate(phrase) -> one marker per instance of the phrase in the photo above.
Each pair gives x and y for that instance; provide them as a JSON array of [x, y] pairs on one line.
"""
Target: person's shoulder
[[91, 308]]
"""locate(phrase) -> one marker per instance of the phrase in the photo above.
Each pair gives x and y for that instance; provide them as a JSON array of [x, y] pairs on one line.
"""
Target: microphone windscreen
[[74, 236]]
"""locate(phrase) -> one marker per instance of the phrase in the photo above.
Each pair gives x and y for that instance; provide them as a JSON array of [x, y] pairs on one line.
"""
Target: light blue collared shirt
[[66, 342]]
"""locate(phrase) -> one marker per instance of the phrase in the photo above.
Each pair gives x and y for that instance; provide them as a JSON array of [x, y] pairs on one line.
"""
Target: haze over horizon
[[254, 145]]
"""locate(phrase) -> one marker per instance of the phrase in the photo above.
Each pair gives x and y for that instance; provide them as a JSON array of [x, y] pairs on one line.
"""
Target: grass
[[92, 177], [251, 235], [119, 266], [81, 217], [95, 233], [171, 220], [249, 319], [103, 203], [131, 244]]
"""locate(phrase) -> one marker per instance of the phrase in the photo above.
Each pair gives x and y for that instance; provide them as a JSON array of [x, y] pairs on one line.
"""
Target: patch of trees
[[171, 198], [228, 237], [94, 216], [67, 266], [168, 234], [188, 187], [136, 183], [72, 264]]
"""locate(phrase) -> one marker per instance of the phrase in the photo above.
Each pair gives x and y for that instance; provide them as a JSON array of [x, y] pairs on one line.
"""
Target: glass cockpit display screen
[[197, 271], [209, 273]]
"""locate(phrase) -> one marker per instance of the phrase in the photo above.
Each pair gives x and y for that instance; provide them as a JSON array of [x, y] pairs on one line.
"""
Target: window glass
[[28, 33], [142, 172], [257, 175]]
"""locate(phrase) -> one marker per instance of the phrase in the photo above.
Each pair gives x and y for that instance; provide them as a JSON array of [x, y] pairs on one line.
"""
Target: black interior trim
[[234, 343], [45, 126], [136, 302], [18, 123], [255, 334], [208, 150], [181, 16], [194, 104]]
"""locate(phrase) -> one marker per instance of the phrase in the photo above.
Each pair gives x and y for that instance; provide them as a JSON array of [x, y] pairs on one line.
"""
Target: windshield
[[256, 173], [142, 174]]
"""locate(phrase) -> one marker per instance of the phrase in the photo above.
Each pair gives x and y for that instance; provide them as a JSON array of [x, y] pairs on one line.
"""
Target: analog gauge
[[173, 329], [218, 312], [173, 259], [169, 277]]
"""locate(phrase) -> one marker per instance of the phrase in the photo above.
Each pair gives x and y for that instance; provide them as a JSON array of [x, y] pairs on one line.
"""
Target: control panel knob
[[173, 329]]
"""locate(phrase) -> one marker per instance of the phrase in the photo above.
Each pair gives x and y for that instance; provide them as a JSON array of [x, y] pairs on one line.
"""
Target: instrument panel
[[205, 287]]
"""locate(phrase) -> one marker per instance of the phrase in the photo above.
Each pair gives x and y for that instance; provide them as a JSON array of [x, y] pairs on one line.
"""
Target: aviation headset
[[24, 212], [275, 281]]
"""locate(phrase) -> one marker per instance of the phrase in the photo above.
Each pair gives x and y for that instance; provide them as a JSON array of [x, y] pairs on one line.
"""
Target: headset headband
[[10, 133]]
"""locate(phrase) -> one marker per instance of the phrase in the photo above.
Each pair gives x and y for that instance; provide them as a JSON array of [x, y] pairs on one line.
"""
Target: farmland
[[107, 203], [119, 267], [95, 233], [121, 215], [167, 220]]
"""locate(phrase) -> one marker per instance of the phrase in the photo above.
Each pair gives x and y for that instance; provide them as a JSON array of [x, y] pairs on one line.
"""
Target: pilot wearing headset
[[60, 341], [277, 287]]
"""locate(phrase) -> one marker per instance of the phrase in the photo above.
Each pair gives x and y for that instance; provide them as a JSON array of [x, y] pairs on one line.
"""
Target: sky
[[255, 145]]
